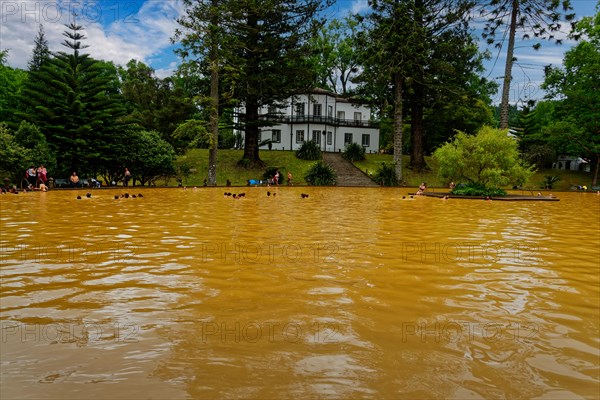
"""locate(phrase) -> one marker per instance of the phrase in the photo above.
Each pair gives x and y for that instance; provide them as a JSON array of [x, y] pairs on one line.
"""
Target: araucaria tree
[[262, 51], [385, 51], [73, 99], [41, 53], [540, 18], [416, 47], [202, 45]]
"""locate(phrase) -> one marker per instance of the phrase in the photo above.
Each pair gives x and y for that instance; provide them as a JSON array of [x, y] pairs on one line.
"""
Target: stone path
[[347, 173]]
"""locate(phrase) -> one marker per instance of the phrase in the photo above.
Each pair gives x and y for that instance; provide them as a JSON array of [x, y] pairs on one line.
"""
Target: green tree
[[41, 52], [444, 57], [12, 81], [204, 25], [505, 17], [149, 157], [156, 104], [490, 158], [385, 49], [418, 53], [334, 59], [577, 88], [264, 47], [73, 99], [31, 137], [14, 158], [194, 133]]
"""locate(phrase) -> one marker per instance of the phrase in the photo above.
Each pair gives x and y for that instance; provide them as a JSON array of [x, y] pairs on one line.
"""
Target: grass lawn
[[196, 162], [373, 161], [567, 178]]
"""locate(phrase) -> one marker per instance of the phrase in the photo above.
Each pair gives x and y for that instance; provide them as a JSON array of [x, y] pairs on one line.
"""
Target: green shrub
[[309, 151], [320, 174], [477, 189], [386, 175], [354, 152], [549, 181]]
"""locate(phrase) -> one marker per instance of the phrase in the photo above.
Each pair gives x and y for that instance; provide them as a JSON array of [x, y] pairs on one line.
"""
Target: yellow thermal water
[[349, 293]]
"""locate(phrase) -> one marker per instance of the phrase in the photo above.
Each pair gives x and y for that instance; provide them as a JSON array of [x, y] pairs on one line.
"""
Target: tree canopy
[[503, 18], [74, 100], [489, 158], [576, 87]]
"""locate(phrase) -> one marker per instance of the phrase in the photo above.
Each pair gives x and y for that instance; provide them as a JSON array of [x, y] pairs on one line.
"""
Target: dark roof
[[339, 98]]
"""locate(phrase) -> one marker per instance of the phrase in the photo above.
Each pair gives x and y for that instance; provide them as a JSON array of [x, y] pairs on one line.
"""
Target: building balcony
[[314, 119]]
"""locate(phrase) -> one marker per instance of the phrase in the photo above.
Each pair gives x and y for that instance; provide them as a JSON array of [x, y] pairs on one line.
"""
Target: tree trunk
[[214, 100], [417, 158], [252, 132], [504, 105], [398, 126], [596, 171], [251, 157]]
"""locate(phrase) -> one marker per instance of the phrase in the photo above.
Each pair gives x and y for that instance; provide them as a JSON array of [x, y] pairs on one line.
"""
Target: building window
[[299, 136], [316, 137], [299, 108], [347, 138], [272, 110], [330, 111], [317, 108], [357, 117], [366, 140], [341, 115], [329, 138], [276, 138]]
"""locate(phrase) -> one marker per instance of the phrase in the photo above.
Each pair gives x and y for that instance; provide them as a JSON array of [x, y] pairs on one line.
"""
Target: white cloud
[[115, 32], [166, 72], [359, 6]]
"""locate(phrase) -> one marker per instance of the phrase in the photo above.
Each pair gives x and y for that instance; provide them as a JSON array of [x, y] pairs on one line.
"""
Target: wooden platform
[[508, 197]]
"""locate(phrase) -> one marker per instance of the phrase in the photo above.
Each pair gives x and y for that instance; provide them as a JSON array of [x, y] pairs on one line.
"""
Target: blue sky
[[141, 29]]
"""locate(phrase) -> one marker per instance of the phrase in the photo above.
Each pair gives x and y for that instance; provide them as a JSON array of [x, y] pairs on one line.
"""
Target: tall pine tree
[[72, 98], [41, 52], [505, 17], [262, 50]]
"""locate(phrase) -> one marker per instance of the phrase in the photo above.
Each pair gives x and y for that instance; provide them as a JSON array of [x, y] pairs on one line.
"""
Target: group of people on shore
[[37, 177], [277, 178]]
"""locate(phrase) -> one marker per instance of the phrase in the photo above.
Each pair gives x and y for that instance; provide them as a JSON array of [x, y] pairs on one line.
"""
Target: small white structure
[[572, 163], [324, 117]]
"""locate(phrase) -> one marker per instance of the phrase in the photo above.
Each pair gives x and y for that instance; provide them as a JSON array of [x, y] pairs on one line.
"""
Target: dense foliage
[[14, 158], [321, 174], [416, 62], [477, 189], [73, 99], [262, 48], [386, 175], [354, 152], [576, 86], [309, 150], [490, 159]]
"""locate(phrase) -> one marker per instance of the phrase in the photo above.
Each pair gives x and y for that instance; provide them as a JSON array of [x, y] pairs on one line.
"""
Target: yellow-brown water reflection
[[350, 293]]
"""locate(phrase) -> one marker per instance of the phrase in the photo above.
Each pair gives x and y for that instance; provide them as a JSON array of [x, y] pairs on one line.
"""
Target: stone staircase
[[347, 173]]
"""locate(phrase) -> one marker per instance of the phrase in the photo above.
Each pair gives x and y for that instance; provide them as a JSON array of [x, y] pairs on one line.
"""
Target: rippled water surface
[[349, 293]]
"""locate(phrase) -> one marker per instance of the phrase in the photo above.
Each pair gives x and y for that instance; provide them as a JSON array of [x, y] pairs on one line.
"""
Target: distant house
[[324, 117], [572, 163]]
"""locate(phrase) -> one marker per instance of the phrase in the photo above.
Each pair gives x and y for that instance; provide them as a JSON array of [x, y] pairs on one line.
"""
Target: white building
[[323, 117], [572, 163]]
